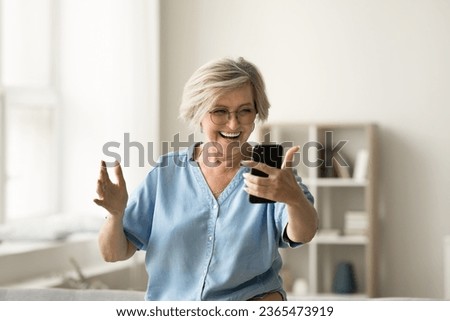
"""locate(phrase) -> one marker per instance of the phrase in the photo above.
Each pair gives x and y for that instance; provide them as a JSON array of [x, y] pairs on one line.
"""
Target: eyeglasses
[[221, 116]]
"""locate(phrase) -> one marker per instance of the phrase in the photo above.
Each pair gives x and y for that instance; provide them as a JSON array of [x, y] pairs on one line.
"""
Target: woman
[[204, 239]]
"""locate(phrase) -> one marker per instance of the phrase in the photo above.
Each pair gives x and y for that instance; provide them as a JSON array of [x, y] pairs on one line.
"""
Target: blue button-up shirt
[[199, 247]]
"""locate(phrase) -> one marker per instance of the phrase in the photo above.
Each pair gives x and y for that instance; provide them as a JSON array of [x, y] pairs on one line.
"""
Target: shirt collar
[[191, 151]]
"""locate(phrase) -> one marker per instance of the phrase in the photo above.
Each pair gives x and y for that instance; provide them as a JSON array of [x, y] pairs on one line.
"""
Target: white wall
[[382, 61]]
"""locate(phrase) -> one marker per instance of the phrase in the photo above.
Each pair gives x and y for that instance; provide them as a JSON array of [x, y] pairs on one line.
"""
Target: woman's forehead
[[241, 96]]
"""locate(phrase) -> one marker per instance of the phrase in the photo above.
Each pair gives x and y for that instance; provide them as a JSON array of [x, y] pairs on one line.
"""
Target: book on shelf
[[361, 165], [327, 169], [342, 171], [327, 232], [334, 165], [356, 223]]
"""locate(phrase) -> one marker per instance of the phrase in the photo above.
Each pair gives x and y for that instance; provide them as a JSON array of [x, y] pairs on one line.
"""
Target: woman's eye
[[245, 111], [220, 112]]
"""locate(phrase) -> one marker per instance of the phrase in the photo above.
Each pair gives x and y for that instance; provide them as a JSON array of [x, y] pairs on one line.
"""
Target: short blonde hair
[[216, 78]]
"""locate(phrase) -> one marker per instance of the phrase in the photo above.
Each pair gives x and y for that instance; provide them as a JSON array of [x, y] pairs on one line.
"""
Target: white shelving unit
[[335, 195]]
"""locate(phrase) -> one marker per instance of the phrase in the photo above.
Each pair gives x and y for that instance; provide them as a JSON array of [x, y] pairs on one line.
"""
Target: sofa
[[55, 294]]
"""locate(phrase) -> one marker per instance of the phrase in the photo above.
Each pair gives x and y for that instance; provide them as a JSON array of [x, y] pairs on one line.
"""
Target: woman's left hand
[[280, 185]]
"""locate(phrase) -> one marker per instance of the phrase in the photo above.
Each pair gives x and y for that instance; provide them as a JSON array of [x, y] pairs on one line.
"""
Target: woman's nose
[[233, 121]]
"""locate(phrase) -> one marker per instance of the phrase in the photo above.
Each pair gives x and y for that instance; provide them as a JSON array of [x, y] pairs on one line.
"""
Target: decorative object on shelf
[[300, 287], [356, 223], [327, 169], [361, 165], [342, 170], [344, 279]]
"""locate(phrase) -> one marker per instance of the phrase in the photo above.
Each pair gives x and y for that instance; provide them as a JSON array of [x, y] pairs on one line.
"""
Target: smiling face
[[237, 128]]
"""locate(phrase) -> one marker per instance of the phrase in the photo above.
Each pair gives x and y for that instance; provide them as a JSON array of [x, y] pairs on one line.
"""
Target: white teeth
[[230, 135]]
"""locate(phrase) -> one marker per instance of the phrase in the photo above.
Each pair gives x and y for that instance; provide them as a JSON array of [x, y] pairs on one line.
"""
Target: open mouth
[[230, 135]]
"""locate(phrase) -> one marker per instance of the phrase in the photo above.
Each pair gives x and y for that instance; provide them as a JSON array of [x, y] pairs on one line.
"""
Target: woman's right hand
[[112, 196]]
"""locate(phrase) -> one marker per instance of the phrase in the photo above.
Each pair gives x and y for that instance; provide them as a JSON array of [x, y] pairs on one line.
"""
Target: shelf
[[337, 192], [341, 239], [335, 182]]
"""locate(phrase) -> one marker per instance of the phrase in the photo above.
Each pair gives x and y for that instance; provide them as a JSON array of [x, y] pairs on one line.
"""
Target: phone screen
[[270, 154]]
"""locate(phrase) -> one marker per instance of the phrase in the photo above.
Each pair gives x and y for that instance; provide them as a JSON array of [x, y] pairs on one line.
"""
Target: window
[[28, 116], [68, 88]]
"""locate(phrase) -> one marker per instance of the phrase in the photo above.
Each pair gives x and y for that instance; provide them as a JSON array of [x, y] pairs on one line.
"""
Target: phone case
[[270, 154]]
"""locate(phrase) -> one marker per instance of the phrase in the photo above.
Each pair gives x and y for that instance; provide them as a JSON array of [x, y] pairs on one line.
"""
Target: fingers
[[104, 183], [279, 184], [256, 180], [289, 157], [258, 186], [260, 166], [100, 188], [119, 173], [103, 180], [287, 163], [98, 202], [263, 193], [104, 177]]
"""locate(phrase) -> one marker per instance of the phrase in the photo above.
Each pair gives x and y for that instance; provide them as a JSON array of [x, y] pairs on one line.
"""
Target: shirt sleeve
[[281, 215], [137, 221]]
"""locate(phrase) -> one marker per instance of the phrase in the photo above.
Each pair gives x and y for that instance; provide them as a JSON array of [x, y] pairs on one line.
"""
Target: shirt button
[[215, 206], [210, 238]]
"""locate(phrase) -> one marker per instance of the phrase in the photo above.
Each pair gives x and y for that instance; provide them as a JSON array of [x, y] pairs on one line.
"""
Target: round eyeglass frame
[[228, 117]]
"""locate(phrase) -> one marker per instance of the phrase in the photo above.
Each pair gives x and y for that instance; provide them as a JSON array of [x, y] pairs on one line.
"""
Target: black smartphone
[[270, 154]]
